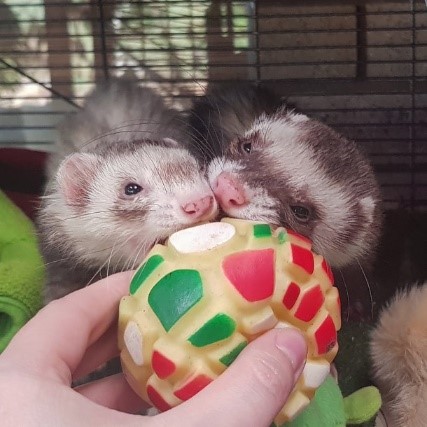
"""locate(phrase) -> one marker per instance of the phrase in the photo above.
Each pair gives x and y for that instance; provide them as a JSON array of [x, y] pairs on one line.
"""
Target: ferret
[[225, 113], [266, 162], [120, 182], [399, 358]]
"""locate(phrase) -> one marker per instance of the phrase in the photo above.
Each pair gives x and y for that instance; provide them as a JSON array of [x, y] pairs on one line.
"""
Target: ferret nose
[[198, 208], [229, 191]]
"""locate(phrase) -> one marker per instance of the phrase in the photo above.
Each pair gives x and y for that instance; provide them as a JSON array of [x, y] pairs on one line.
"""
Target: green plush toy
[[330, 409], [21, 270]]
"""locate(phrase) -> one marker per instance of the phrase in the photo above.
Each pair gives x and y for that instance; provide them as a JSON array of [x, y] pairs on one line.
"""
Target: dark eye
[[301, 213], [132, 189], [246, 147]]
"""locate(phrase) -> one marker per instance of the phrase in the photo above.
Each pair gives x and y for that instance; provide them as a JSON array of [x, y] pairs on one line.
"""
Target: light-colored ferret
[[266, 162], [399, 358], [118, 184]]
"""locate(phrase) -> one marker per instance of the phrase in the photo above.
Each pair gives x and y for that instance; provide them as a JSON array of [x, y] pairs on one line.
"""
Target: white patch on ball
[[260, 322], [283, 325], [134, 342], [295, 405], [202, 237], [315, 373]]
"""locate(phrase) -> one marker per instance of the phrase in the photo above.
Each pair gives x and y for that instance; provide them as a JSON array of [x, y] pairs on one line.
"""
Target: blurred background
[[360, 66]]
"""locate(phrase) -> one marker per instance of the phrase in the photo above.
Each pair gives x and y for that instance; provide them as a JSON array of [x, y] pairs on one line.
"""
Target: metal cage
[[360, 66]]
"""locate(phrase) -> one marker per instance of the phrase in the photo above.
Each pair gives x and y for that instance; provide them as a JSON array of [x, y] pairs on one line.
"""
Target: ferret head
[[293, 171], [224, 112], [112, 206]]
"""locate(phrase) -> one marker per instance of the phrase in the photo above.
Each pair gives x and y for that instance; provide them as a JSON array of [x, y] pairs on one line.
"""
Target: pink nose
[[198, 208], [229, 191]]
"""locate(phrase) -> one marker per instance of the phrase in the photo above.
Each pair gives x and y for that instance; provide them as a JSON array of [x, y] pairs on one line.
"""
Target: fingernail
[[293, 345]]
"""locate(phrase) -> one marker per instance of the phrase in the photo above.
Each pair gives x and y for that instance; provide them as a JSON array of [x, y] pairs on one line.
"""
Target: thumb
[[254, 388]]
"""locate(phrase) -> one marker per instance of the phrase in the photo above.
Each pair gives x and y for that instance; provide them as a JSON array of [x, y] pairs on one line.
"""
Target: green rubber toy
[[330, 409]]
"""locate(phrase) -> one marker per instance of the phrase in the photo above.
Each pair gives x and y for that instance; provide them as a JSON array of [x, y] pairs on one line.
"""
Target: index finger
[[55, 340]]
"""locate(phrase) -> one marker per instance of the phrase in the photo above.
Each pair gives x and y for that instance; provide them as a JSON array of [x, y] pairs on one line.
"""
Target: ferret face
[[293, 171], [114, 207]]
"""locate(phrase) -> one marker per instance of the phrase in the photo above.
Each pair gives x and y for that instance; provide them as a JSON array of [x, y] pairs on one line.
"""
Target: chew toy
[[197, 301], [329, 408]]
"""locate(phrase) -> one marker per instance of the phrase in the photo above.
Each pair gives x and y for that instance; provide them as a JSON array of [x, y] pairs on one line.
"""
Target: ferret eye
[[246, 147], [132, 189], [301, 213]]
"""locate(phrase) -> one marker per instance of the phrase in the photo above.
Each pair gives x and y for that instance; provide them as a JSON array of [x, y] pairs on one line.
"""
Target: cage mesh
[[359, 66]]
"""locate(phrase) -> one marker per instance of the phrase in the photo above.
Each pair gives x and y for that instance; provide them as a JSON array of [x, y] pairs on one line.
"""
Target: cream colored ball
[[198, 300]]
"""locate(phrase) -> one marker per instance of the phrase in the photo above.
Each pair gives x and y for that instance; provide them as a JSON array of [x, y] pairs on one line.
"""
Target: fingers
[[98, 353], [55, 340], [113, 392], [253, 389]]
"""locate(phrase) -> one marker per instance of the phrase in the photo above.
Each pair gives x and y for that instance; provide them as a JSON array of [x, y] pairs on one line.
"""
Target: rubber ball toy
[[198, 300]]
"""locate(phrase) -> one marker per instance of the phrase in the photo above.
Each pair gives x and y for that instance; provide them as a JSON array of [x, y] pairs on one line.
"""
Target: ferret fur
[[399, 358], [88, 226], [295, 160], [116, 111], [226, 113]]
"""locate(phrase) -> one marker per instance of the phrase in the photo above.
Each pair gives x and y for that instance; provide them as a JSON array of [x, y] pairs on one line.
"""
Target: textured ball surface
[[196, 302]]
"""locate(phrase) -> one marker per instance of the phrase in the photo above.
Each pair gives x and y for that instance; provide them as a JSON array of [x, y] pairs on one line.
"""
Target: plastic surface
[[196, 302]]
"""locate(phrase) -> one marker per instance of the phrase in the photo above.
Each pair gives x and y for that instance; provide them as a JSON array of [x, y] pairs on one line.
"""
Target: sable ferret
[[268, 163], [399, 358], [118, 184], [226, 113]]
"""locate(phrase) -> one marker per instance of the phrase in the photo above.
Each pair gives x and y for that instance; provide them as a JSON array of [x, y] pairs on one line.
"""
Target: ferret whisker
[[219, 139], [205, 151], [109, 210], [66, 258], [209, 129], [109, 259], [86, 214], [369, 288], [114, 128], [98, 271], [143, 247], [196, 82], [216, 136], [123, 255], [103, 135], [192, 77], [204, 148], [346, 293], [85, 145], [55, 261]]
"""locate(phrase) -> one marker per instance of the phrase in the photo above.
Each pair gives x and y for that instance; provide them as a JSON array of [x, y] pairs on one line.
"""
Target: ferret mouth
[[164, 240], [221, 214], [273, 224]]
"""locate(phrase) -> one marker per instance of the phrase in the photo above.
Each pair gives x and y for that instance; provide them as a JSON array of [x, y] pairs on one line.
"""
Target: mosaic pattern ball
[[198, 300]]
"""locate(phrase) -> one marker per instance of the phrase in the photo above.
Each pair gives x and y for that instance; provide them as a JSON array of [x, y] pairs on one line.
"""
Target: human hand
[[74, 335]]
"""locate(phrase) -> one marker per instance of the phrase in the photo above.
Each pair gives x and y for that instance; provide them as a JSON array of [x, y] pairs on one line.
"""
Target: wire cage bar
[[360, 66]]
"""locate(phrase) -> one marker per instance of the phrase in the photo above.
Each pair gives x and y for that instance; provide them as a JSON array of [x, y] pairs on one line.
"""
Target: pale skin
[[72, 336]]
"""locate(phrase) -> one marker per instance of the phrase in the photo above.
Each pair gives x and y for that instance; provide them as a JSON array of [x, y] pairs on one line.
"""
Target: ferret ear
[[74, 177], [171, 143]]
